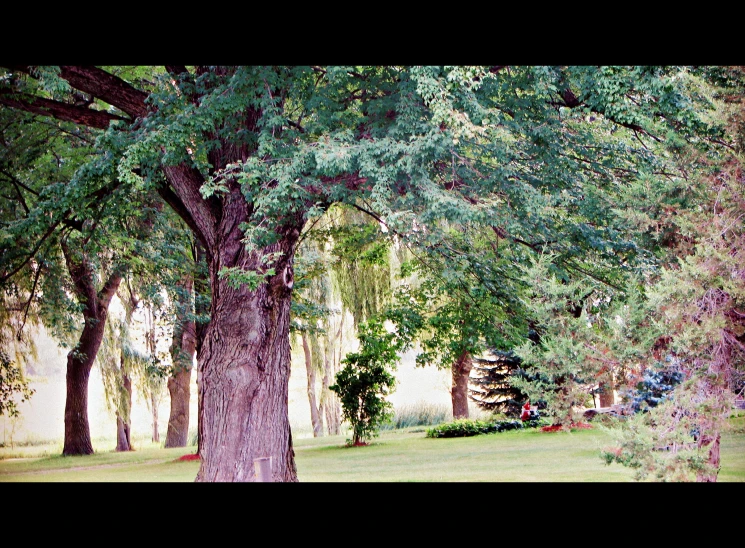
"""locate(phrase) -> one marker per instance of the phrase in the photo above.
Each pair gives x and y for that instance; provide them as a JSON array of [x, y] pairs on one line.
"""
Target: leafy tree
[[341, 269], [247, 155], [697, 307], [562, 367], [16, 350], [695, 303], [679, 318], [366, 380], [67, 250], [461, 303]]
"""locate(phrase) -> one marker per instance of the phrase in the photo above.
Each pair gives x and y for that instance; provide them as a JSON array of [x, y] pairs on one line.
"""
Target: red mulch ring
[[190, 457], [558, 427]]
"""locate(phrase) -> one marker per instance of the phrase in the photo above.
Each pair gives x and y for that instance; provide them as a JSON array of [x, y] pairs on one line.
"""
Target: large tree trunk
[[244, 364], [183, 347], [244, 370], [79, 364], [459, 391], [315, 417], [179, 388], [80, 359]]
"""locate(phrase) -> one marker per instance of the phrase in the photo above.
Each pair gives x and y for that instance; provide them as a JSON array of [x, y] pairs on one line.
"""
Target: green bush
[[366, 380], [461, 428]]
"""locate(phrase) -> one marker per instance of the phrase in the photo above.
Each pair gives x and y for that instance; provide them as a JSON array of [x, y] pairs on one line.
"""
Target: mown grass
[[400, 455]]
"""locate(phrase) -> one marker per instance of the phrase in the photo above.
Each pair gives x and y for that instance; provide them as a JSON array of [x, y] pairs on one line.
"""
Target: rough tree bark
[[245, 365], [183, 348], [459, 391]]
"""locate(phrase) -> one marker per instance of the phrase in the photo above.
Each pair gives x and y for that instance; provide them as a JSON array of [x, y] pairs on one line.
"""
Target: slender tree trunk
[[183, 347], [330, 405], [154, 408], [606, 394], [315, 417], [459, 393], [123, 420]]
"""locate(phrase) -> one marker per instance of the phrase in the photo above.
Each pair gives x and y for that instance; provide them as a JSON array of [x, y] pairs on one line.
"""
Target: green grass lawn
[[404, 455]]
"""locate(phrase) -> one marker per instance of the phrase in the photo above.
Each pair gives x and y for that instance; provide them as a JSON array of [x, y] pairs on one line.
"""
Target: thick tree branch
[[82, 279], [170, 197], [106, 87], [186, 182], [109, 288], [101, 85], [61, 111]]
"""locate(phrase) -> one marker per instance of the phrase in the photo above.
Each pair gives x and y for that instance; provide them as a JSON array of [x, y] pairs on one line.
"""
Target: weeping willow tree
[[131, 356], [321, 335], [343, 278], [15, 352], [119, 359], [361, 263], [154, 377]]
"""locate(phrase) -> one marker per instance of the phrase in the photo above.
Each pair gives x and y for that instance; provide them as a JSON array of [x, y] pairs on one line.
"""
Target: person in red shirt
[[525, 415]]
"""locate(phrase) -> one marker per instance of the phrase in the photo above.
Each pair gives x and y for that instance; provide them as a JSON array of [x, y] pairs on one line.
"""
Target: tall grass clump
[[418, 414]]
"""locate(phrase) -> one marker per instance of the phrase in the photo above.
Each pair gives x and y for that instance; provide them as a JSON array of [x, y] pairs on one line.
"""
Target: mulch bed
[[558, 427], [189, 457]]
